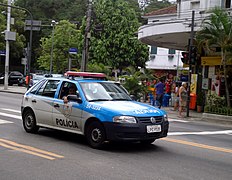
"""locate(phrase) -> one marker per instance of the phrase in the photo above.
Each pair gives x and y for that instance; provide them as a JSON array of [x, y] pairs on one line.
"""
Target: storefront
[[213, 75]]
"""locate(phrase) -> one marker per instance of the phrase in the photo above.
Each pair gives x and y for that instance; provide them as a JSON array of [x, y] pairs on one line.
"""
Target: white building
[[170, 27]]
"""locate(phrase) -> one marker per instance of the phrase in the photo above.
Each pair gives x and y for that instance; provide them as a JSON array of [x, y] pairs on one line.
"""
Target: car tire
[[95, 135], [147, 141], [29, 122]]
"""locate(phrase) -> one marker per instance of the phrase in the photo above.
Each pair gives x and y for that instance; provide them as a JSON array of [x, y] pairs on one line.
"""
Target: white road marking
[[10, 115], [5, 122], [11, 110], [200, 133], [176, 120]]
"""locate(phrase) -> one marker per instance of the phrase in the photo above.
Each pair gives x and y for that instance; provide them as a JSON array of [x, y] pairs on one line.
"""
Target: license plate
[[153, 128]]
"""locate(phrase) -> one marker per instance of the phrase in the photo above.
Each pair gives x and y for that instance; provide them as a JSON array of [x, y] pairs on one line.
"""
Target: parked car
[[15, 77], [35, 78], [100, 110]]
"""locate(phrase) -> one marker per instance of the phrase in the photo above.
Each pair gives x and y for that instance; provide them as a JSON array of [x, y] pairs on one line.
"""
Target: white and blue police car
[[100, 110]]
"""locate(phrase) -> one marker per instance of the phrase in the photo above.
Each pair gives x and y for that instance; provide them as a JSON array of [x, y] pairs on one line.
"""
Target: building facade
[[171, 27]]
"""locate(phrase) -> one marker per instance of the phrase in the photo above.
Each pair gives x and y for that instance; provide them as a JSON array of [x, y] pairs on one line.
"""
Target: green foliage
[[216, 32], [133, 82], [16, 47], [46, 10], [218, 110], [115, 44], [217, 105], [214, 100], [100, 68], [154, 5], [65, 37]]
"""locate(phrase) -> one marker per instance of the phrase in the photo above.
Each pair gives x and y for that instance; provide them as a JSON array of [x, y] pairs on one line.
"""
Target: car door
[[42, 102], [67, 116]]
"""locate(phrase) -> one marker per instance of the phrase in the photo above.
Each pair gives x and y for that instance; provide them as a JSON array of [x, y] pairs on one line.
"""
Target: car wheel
[[29, 122], [148, 141], [95, 135]]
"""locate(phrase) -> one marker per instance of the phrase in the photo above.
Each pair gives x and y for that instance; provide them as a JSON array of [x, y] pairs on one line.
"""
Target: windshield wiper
[[121, 99], [100, 100]]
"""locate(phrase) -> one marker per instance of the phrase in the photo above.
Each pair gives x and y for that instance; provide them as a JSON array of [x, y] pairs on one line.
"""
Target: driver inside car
[[71, 91]]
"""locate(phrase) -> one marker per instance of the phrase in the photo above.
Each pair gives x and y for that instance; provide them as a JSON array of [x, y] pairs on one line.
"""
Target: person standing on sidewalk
[[160, 92], [183, 96]]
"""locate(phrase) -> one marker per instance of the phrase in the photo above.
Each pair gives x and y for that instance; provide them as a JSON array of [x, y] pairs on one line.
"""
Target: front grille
[[147, 120]]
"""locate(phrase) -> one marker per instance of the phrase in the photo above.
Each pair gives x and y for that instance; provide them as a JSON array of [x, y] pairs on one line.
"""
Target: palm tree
[[217, 32]]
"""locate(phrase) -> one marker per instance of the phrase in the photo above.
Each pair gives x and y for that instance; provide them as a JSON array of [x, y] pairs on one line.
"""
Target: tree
[[153, 5], [65, 37], [113, 39], [133, 82], [16, 47], [46, 10], [217, 32]]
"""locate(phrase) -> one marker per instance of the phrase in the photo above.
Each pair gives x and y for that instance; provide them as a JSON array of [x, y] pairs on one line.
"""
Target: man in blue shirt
[[160, 91]]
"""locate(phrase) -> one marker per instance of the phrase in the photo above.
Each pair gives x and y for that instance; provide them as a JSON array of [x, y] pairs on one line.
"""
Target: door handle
[[34, 101], [56, 105]]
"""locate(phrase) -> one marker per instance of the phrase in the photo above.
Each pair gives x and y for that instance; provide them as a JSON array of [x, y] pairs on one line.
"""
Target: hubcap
[[29, 121], [96, 135]]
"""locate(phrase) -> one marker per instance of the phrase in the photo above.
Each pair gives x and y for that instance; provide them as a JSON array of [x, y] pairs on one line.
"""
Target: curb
[[215, 118], [12, 92]]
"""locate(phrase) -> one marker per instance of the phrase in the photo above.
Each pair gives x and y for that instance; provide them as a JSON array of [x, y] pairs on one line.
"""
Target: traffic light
[[193, 55], [25, 52], [185, 57]]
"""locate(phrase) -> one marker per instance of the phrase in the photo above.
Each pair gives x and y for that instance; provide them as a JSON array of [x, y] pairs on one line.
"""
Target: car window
[[65, 87], [48, 89], [35, 88]]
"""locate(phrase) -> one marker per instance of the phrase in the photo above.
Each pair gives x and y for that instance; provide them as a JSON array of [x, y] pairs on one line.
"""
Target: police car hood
[[132, 108]]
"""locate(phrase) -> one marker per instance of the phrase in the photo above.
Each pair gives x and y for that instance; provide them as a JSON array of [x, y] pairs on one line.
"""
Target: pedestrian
[[182, 98], [176, 97], [160, 92], [168, 86]]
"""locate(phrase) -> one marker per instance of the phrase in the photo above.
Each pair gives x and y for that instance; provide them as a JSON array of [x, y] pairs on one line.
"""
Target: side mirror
[[74, 98], [133, 97]]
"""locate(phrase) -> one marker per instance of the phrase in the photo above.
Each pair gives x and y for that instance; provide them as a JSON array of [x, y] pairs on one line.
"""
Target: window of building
[[153, 50], [195, 5], [227, 3], [171, 51]]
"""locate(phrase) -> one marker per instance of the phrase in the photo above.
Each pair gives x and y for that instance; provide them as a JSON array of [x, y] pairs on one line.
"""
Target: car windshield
[[103, 91]]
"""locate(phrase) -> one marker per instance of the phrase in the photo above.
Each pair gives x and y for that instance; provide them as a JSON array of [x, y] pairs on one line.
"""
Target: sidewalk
[[193, 115], [13, 89]]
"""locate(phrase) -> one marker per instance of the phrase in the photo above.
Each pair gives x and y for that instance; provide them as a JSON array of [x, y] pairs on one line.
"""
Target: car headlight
[[124, 119], [165, 117]]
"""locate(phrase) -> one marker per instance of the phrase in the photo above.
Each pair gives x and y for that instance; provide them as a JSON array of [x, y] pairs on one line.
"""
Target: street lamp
[[51, 60]]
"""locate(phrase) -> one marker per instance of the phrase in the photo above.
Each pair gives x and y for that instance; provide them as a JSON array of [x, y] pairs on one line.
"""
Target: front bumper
[[133, 132]]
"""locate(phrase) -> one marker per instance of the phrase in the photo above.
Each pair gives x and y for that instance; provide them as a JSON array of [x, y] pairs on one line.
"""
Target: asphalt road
[[192, 151]]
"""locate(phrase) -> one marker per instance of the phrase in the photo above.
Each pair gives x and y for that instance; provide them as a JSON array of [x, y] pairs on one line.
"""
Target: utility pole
[[7, 46], [85, 52], [7, 42], [51, 59], [190, 63]]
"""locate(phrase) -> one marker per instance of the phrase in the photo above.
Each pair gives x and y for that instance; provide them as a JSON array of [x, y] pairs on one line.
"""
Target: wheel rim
[[29, 121], [96, 135]]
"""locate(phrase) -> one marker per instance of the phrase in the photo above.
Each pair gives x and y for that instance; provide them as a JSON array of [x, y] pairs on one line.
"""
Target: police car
[[100, 110]]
